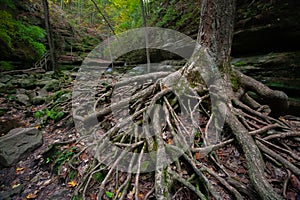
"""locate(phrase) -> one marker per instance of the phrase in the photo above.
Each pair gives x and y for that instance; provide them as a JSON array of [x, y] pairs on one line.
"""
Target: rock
[[21, 91], [27, 83], [259, 30], [40, 98], [2, 87], [52, 85], [5, 78], [18, 143], [23, 98], [66, 97]]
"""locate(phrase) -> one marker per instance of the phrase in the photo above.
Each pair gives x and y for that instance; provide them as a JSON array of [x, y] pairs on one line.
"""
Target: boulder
[[18, 143], [52, 85]]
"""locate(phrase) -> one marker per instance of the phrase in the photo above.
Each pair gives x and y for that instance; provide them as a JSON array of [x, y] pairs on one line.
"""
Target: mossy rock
[[52, 85]]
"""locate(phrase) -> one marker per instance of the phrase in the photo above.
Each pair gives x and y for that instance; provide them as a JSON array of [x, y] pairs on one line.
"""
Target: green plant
[[5, 66], [14, 31], [8, 3], [46, 114], [98, 176], [55, 157], [32, 35], [109, 194], [239, 63]]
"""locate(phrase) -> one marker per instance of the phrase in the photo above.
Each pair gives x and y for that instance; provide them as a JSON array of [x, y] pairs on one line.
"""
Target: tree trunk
[[216, 31], [104, 17], [146, 35], [215, 37], [49, 36]]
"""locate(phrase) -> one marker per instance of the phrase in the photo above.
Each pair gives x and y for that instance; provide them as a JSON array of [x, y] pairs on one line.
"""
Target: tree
[[49, 35], [245, 119], [215, 37]]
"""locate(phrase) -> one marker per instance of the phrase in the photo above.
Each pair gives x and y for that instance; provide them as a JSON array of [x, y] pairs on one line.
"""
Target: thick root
[[159, 124]]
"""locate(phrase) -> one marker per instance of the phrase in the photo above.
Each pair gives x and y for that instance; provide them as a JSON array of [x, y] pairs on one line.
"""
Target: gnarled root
[[159, 129]]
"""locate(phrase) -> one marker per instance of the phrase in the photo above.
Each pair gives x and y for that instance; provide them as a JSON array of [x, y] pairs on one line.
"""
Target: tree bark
[[216, 31], [215, 38], [49, 36]]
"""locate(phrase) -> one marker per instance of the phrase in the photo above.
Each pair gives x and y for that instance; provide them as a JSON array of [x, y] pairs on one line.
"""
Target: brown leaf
[[197, 155], [295, 182], [72, 184], [31, 196], [93, 196]]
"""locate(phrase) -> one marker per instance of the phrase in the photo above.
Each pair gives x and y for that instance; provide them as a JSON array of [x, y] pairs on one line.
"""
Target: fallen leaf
[[164, 87], [130, 195], [31, 196], [72, 183], [197, 155], [15, 186], [19, 169], [93, 196]]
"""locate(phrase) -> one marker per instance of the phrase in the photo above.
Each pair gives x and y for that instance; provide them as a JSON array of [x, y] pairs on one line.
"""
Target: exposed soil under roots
[[156, 136]]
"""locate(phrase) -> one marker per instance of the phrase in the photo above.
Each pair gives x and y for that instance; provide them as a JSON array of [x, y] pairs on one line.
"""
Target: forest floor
[[49, 173]]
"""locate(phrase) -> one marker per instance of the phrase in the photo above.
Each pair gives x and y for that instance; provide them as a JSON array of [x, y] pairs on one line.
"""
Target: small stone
[[23, 98]]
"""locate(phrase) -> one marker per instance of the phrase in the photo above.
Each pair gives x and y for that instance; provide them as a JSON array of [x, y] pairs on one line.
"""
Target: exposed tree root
[[158, 117]]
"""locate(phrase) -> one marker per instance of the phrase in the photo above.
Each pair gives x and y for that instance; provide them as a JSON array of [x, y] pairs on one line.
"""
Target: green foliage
[[98, 176], [46, 114], [8, 3], [5, 66], [55, 157], [13, 31], [240, 63], [72, 175], [235, 82], [7, 27], [173, 14], [170, 15], [57, 95], [109, 194], [31, 35], [124, 14], [77, 198]]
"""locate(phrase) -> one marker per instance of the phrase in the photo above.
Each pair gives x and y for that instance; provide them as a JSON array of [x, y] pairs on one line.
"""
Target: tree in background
[[49, 36]]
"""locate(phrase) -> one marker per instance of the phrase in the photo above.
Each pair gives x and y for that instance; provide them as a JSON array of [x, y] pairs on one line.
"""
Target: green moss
[[235, 83], [239, 63], [98, 176], [6, 66], [13, 31]]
